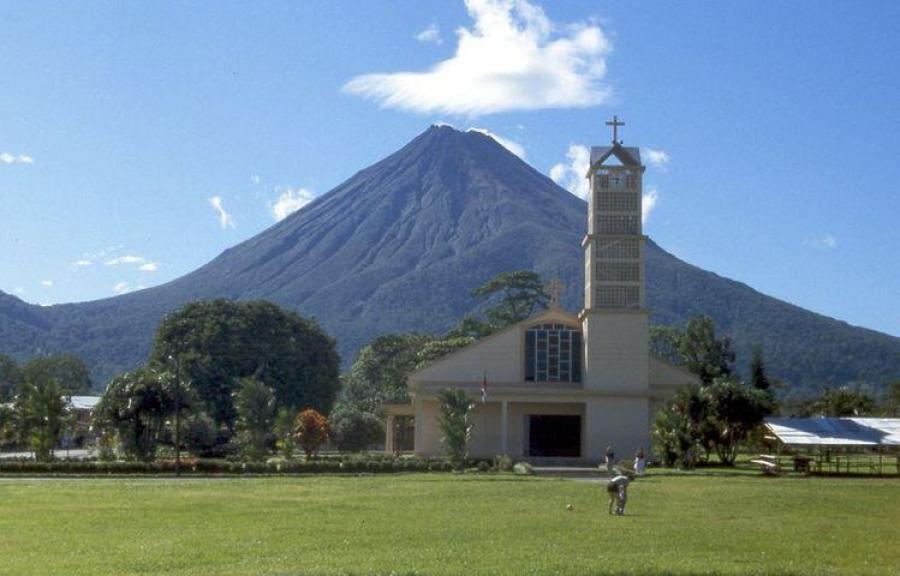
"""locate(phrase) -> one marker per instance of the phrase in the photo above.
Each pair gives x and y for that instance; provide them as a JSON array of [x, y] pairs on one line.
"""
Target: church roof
[[629, 156], [551, 314]]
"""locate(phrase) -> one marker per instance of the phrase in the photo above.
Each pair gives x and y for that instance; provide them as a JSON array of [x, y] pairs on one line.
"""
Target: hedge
[[203, 467]]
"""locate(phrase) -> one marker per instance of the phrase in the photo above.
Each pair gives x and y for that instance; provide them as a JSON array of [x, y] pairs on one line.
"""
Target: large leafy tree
[[42, 415], [455, 422], [68, 371], [702, 353], [10, 378], [213, 344]]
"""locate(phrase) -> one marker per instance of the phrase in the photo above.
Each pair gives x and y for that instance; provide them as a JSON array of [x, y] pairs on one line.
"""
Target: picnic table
[[768, 463]]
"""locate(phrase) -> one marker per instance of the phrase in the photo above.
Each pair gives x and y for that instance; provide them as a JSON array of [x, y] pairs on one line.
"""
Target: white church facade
[[559, 385]]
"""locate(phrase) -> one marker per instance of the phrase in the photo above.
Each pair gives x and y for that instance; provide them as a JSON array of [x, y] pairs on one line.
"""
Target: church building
[[559, 385]]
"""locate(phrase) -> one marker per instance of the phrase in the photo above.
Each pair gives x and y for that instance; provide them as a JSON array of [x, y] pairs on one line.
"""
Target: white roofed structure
[[848, 432]]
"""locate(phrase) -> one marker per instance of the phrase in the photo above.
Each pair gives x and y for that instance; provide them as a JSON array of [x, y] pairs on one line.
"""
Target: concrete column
[[389, 435], [504, 428]]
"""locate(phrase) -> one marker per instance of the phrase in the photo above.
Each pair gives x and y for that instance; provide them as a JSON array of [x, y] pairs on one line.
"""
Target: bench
[[768, 464]]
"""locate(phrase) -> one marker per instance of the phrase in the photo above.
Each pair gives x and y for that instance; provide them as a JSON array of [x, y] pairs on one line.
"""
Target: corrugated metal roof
[[836, 431], [83, 402]]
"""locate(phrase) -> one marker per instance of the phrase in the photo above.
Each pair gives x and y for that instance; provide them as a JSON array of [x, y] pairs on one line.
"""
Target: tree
[[437, 349], [379, 373], [892, 400], [68, 371], [199, 434], [758, 377], [665, 342], [680, 427], [255, 403], [844, 402], [455, 421], [470, 327], [311, 431], [702, 353], [354, 430], [735, 411], [135, 406], [10, 378], [284, 432], [522, 294], [41, 412], [7, 425], [217, 343]]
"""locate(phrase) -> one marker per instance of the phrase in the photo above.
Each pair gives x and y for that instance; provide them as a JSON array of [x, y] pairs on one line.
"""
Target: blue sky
[[139, 140]]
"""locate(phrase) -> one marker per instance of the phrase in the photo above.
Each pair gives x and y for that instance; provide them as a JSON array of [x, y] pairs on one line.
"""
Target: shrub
[[199, 434], [311, 431], [353, 430], [503, 463], [523, 469]]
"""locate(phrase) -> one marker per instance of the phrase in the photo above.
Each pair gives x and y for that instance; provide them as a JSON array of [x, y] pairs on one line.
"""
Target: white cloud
[[121, 288], [512, 58], [824, 242], [510, 145], [149, 267], [655, 158], [7, 158], [127, 259], [47, 283], [19, 290], [571, 174], [289, 202], [430, 35], [225, 219], [82, 263], [648, 203]]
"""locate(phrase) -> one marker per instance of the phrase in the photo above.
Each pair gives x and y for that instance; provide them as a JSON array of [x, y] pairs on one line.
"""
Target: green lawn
[[447, 524]]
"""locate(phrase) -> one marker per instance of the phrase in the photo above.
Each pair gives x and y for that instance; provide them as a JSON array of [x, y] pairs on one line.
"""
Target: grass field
[[448, 524]]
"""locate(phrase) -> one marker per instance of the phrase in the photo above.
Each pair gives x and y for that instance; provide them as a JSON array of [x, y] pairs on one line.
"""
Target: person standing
[[610, 460], [640, 461]]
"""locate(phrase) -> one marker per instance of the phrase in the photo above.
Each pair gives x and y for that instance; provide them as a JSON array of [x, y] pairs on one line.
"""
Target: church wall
[[616, 351], [622, 423]]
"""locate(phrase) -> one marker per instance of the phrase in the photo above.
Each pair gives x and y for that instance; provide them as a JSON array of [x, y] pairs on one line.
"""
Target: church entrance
[[554, 436]]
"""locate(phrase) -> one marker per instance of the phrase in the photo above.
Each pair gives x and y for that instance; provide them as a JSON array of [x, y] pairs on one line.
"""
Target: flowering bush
[[311, 431]]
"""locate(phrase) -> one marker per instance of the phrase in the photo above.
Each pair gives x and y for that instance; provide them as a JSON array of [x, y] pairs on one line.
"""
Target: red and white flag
[[484, 387]]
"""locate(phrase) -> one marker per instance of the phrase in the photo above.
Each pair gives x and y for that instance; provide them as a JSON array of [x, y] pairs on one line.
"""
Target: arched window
[[553, 353]]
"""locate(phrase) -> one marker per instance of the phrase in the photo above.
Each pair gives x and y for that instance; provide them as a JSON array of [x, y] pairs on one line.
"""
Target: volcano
[[400, 245]]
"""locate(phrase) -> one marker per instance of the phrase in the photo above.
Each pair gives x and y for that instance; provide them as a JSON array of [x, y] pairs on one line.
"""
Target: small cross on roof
[[615, 126]]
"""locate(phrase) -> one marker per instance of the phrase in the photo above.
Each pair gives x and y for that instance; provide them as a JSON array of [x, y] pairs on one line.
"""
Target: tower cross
[[615, 126]]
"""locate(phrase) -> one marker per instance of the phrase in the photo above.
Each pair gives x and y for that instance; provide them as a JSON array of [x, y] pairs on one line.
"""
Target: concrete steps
[[570, 472]]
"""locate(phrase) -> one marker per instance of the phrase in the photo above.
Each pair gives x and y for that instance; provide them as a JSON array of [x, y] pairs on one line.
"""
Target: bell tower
[[615, 318]]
